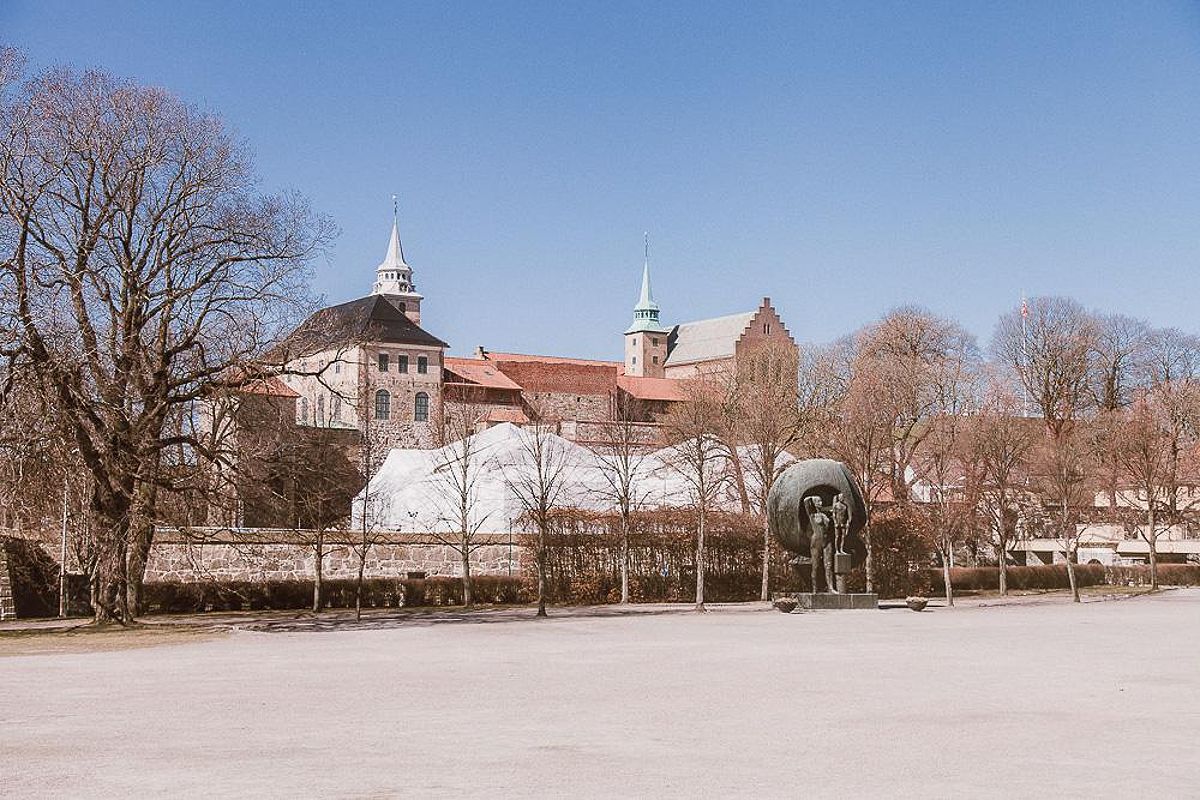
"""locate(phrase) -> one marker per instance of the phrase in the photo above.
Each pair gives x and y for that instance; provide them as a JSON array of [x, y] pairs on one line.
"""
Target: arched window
[[304, 410], [421, 407], [335, 409], [320, 410], [383, 404]]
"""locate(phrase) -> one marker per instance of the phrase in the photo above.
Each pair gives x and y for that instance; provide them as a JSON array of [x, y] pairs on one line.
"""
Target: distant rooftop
[[707, 339]]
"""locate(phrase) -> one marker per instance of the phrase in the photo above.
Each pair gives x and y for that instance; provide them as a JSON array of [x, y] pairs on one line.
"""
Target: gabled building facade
[[369, 364], [369, 361]]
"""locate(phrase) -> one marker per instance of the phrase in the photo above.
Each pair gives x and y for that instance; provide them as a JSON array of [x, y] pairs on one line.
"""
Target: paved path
[[1099, 700]]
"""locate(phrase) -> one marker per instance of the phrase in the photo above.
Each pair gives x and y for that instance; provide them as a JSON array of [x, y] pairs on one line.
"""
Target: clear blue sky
[[842, 158]]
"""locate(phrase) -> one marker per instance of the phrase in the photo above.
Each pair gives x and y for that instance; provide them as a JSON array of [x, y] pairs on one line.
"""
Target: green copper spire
[[645, 313]]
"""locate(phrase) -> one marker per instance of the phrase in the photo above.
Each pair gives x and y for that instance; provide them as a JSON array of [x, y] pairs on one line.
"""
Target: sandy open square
[[1019, 701]]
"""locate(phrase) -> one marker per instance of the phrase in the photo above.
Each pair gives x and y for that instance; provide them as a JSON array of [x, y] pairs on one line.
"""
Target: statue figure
[[816, 509], [842, 516], [820, 543]]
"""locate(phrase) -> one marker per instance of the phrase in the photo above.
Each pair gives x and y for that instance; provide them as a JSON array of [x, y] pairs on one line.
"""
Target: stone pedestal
[[809, 601]]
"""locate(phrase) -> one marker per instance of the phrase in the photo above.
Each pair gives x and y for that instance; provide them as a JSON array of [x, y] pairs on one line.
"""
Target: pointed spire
[[646, 300], [645, 313], [395, 254]]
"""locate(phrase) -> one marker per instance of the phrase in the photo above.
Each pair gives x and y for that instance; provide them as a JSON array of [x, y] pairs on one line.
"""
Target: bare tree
[[373, 450], [898, 376], [1150, 444], [457, 474], [307, 484], [996, 457], [1119, 366], [1141, 447], [770, 422], [140, 264], [699, 457], [1048, 344], [620, 450], [946, 463], [540, 476]]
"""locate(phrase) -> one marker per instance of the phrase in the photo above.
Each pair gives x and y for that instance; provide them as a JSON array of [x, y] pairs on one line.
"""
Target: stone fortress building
[[369, 362]]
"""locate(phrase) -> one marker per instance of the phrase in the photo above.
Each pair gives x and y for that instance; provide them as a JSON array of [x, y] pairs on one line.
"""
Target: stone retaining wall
[[262, 561], [8, 609]]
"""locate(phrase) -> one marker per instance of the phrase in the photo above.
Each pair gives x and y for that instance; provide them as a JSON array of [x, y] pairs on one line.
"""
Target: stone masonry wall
[[263, 561], [8, 609]]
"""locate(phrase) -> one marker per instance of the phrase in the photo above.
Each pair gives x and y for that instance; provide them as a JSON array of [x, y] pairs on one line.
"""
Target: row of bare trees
[[987, 446]]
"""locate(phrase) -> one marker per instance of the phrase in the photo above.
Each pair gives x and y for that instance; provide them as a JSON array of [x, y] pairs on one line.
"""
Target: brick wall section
[[544, 376], [564, 391]]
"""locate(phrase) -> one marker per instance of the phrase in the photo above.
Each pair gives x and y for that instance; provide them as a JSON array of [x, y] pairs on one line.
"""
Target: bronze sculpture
[[816, 510]]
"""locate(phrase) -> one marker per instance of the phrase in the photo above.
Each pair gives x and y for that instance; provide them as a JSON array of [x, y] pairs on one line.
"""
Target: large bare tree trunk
[[141, 540], [111, 517], [700, 562]]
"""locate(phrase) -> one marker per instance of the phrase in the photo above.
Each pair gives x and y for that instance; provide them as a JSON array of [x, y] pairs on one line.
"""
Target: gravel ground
[[1019, 700]]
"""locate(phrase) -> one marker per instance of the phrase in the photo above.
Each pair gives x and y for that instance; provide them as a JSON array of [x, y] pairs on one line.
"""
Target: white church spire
[[393, 277], [395, 252]]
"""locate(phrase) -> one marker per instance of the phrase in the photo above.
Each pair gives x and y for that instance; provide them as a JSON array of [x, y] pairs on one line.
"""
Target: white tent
[[413, 490]]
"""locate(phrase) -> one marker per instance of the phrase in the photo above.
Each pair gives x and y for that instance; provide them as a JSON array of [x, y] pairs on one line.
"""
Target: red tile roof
[[653, 388], [480, 373]]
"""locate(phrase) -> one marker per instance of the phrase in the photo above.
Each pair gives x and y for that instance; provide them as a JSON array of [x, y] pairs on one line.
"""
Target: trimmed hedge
[[1048, 576], [1168, 575], [34, 578], [185, 598]]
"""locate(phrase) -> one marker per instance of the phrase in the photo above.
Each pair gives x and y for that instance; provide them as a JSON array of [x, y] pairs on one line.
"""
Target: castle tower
[[646, 338], [393, 278]]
